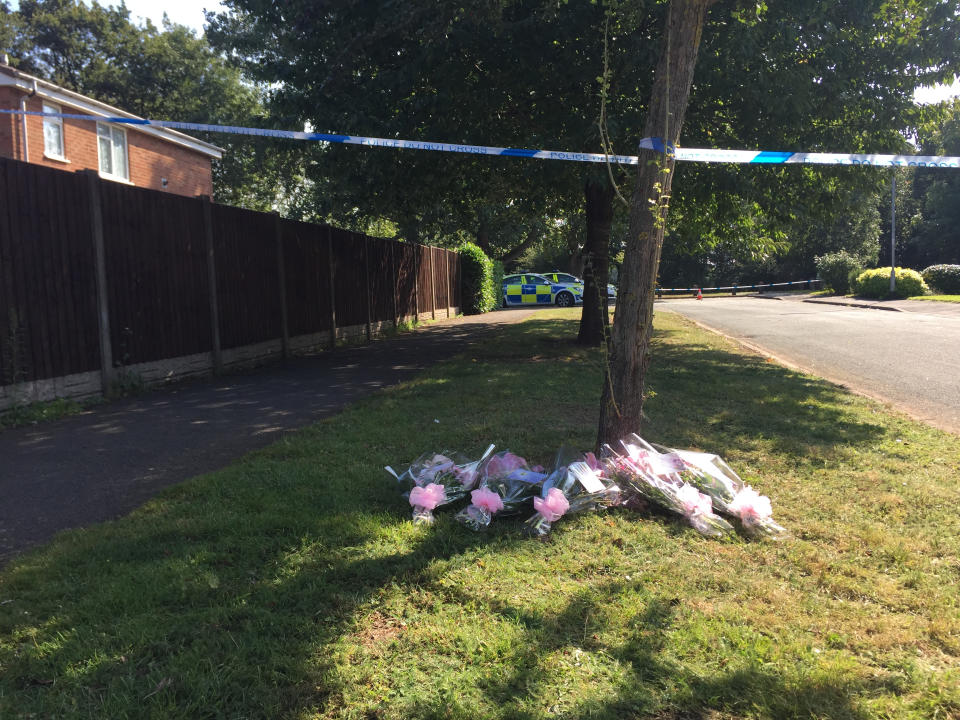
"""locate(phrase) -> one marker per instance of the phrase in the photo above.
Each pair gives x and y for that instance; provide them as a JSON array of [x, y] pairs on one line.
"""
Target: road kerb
[[855, 304]]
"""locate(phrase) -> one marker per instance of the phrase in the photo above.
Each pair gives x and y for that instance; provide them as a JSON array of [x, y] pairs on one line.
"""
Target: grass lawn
[[938, 298], [292, 585]]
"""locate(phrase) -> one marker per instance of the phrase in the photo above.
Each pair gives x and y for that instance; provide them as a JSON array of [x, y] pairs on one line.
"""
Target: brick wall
[[9, 134], [150, 159]]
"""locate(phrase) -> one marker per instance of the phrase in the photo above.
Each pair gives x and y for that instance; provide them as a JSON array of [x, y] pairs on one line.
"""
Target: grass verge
[[291, 584], [938, 298], [34, 413]]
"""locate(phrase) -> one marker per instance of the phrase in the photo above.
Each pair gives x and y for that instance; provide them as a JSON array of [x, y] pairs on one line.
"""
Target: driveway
[[104, 463], [909, 358]]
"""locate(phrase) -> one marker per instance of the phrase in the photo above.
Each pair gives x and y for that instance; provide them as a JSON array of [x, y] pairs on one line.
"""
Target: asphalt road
[[104, 463], [908, 359]]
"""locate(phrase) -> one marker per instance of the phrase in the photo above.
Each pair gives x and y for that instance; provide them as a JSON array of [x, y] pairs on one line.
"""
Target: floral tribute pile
[[698, 486]]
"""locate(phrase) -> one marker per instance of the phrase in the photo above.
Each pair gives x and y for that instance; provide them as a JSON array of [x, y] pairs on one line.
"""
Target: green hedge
[[944, 279], [836, 268], [876, 283], [481, 284]]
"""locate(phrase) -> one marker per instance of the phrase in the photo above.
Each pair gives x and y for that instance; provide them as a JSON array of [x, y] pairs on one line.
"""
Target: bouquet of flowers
[[506, 485], [644, 473], [437, 479], [572, 487], [729, 494]]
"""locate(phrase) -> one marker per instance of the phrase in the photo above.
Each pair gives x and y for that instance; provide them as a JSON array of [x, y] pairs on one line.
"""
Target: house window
[[112, 143], [53, 134]]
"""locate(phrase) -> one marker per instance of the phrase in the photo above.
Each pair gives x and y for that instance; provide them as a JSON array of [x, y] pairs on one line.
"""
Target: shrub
[[481, 289], [498, 273], [944, 279], [836, 268], [876, 283]]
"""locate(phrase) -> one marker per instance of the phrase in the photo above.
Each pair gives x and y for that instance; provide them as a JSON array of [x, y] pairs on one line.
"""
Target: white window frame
[[113, 133], [57, 123]]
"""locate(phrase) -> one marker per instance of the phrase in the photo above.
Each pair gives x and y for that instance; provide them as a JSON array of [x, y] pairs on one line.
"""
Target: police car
[[533, 289], [559, 277]]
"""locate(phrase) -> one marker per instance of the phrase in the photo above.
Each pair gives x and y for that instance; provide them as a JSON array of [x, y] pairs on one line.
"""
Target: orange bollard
[[699, 294]]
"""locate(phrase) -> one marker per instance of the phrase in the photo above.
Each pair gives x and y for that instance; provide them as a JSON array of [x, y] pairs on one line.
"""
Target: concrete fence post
[[393, 280], [100, 264], [333, 291], [366, 285], [282, 281], [217, 353], [433, 285], [448, 269], [418, 252]]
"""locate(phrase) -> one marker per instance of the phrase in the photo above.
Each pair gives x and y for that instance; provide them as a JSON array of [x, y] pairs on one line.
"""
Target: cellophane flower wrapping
[[577, 484], [644, 474], [507, 485], [730, 495], [437, 479]]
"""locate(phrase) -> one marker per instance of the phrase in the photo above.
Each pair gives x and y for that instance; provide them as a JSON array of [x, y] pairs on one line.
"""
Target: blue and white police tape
[[734, 289], [351, 139], [768, 157], [656, 144]]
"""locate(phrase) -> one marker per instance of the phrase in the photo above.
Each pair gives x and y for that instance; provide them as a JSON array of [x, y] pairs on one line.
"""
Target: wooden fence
[[99, 279]]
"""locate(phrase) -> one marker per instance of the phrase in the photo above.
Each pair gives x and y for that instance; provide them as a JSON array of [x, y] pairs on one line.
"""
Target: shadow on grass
[[740, 399], [652, 684], [212, 634]]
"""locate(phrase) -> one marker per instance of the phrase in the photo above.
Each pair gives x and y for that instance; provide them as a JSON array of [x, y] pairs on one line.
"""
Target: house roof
[[11, 77]]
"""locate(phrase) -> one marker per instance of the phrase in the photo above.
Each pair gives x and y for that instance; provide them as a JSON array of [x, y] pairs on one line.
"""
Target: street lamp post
[[893, 233]]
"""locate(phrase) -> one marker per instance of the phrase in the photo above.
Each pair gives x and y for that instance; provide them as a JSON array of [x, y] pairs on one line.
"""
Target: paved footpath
[[105, 462]]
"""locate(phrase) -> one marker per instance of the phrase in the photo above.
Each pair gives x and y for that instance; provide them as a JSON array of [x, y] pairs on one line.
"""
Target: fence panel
[[454, 261], [424, 284], [48, 319], [307, 277], [406, 261], [349, 278], [381, 256], [157, 278], [158, 285], [248, 281], [441, 275]]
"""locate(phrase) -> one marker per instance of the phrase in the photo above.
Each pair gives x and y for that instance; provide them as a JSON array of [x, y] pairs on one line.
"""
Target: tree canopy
[[809, 75]]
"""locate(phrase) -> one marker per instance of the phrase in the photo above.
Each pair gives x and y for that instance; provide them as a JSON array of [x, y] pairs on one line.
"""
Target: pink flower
[[693, 501], [502, 464], [553, 506], [487, 499], [466, 476], [750, 506], [674, 462], [436, 465], [428, 497], [592, 461], [537, 468]]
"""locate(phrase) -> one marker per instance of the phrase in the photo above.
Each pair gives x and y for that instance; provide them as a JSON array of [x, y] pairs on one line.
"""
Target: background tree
[[521, 73], [928, 199], [805, 75]]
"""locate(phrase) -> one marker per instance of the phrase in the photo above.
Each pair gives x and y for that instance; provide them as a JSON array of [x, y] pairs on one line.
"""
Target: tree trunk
[[533, 235], [596, 267], [621, 405]]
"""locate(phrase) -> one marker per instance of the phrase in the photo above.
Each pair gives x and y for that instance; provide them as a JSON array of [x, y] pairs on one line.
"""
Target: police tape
[[350, 139], [765, 157], [734, 289], [770, 157]]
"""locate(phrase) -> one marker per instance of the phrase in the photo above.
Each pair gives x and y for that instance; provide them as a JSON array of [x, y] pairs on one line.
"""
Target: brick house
[[145, 156]]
